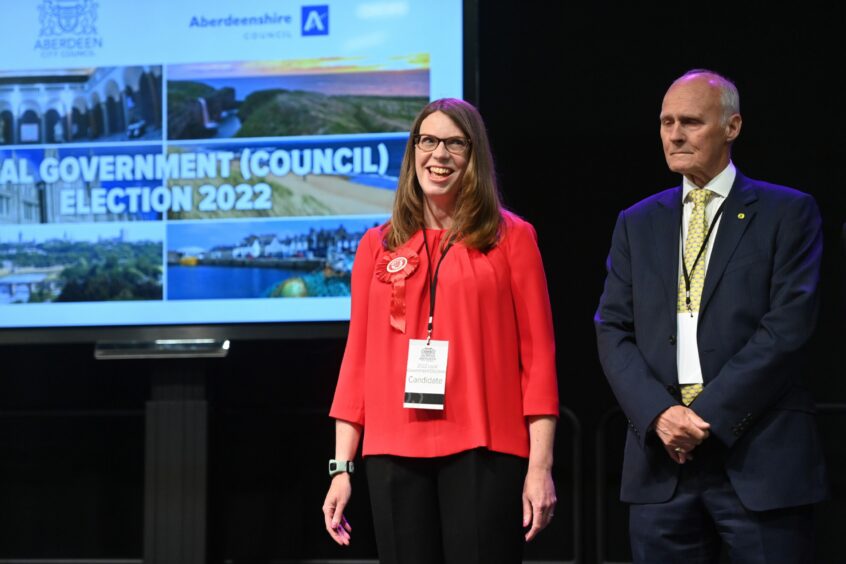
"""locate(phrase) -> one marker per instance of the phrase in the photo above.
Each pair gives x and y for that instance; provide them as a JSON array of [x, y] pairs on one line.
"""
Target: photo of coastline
[[102, 104], [299, 178], [81, 263], [324, 96], [263, 259]]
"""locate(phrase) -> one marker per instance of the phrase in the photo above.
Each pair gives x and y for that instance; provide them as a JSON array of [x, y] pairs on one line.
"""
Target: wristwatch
[[338, 466]]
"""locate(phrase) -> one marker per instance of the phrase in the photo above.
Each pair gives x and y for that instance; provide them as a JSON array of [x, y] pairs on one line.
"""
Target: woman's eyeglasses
[[455, 145]]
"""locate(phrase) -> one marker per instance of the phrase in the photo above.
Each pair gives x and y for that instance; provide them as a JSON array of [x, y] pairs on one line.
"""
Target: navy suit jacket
[[758, 308]]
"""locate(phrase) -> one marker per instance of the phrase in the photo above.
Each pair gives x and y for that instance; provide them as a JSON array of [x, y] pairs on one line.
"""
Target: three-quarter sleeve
[[536, 339], [350, 391]]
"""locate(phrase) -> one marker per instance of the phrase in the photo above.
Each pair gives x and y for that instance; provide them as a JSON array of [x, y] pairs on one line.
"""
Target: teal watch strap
[[338, 466]]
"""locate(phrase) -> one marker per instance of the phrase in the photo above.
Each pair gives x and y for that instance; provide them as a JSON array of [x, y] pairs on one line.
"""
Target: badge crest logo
[[60, 17]]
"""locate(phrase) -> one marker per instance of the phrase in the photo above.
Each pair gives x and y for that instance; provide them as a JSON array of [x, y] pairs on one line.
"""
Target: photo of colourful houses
[[322, 96], [263, 259]]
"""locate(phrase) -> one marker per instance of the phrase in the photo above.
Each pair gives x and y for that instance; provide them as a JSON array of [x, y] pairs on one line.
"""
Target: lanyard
[[433, 283], [685, 272]]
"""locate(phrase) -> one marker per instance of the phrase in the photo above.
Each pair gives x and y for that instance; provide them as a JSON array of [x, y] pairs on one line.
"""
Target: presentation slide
[[186, 162]]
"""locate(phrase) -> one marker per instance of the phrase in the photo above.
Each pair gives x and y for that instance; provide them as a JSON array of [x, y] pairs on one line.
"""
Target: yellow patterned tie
[[697, 227]]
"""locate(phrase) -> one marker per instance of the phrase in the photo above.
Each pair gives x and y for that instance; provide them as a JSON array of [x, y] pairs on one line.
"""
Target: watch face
[[338, 466]]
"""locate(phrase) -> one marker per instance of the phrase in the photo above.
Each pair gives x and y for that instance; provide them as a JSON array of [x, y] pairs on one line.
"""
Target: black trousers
[[459, 509], [705, 517]]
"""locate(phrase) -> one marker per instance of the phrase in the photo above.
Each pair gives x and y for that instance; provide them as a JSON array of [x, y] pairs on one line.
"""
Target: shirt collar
[[720, 184]]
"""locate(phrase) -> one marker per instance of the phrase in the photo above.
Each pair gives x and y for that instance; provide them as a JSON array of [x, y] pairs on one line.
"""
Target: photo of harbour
[[290, 258]]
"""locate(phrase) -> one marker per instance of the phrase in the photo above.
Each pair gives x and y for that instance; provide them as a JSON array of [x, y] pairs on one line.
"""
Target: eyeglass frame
[[418, 136]]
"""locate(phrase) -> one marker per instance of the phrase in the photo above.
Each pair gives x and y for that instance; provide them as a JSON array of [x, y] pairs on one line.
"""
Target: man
[[710, 296]]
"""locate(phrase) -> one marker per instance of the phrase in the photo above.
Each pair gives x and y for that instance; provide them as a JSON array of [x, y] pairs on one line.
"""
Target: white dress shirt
[[687, 351]]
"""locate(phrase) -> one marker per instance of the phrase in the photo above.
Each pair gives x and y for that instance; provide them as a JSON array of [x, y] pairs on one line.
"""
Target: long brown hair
[[478, 208]]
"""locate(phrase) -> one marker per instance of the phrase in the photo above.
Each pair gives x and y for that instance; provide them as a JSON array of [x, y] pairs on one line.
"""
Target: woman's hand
[[538, 500], [347, 437], [337, 498], [538, 489]]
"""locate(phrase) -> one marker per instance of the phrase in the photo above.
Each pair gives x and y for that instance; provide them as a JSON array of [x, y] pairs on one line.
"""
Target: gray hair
[[729, 96]]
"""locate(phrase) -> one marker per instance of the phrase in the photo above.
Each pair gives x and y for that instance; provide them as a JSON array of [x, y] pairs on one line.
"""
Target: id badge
[[687, 357], [425, 377]]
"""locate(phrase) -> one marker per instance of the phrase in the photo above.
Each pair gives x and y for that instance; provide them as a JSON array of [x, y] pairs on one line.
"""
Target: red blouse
[[493, 309]]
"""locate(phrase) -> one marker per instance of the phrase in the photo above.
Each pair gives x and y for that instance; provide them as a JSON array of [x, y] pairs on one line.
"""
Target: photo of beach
[[324, 96], [295, 258], [296, 178]]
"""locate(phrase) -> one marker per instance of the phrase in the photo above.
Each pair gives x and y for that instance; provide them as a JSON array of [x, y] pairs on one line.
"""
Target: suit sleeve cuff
[[641, 424]]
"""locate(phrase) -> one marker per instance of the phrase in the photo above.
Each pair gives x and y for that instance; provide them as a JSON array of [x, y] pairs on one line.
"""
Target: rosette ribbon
[[393, 268]]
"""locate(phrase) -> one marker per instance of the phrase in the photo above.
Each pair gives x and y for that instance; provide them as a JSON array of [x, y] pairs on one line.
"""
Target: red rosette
[[393, 268]]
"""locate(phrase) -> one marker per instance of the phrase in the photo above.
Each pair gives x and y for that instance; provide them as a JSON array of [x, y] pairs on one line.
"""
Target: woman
[[451, 288]]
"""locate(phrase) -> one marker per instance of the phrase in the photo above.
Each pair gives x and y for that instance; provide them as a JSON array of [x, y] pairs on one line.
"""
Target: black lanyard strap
[[433, 283], [685, 272]]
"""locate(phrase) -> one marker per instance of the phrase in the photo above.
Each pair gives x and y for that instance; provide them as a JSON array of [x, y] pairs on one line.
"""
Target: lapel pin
[[741, 216]]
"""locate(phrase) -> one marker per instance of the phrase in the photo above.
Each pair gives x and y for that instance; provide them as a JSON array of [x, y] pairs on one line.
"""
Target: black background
[[570, 93]]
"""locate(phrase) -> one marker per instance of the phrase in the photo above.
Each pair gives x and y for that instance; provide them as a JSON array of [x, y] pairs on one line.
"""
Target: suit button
[[673, 340]]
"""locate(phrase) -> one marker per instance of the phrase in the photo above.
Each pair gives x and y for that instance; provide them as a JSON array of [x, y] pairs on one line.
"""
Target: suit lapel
[[738, 212], [666, 222]]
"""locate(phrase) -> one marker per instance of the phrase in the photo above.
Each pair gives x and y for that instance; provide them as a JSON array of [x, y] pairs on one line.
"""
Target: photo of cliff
[[291, 98]]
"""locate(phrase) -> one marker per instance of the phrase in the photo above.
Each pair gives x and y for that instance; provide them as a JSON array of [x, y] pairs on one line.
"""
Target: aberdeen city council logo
[[59, 17], [68, 28]]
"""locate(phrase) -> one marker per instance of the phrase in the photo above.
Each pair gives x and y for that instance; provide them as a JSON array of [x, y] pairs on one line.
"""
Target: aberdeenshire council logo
[[68, 28], [315, 20]]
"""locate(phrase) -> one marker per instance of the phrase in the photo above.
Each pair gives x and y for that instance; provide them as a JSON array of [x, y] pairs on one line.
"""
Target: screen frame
[[250, 330]]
